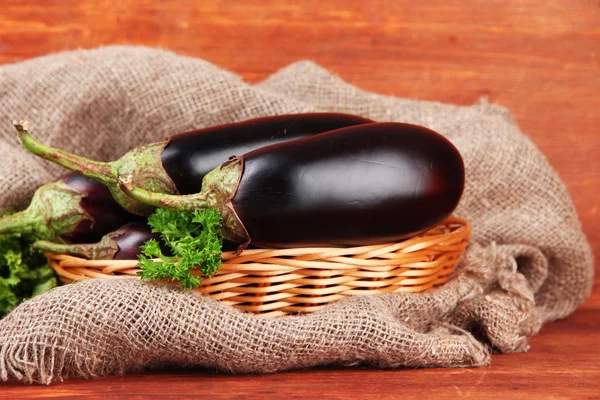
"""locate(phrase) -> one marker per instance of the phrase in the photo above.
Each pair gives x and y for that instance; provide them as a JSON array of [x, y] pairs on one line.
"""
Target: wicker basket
[[287, 281]]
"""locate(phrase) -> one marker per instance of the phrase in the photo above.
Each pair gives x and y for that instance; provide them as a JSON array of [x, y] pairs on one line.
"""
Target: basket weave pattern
[[286, 281]]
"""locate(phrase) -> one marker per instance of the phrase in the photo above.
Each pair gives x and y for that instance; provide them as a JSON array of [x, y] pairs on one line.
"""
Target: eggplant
[[74, 209], [361, 185], [122, 244], [177, 165]]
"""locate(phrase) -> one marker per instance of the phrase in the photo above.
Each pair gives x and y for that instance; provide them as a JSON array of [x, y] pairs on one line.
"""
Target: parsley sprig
[[24, 273], [194, 241]]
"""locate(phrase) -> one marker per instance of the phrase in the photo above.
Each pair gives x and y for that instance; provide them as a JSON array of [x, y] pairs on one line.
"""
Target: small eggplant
[[178, 164], [75, 209], [362, 185], [122, 244]]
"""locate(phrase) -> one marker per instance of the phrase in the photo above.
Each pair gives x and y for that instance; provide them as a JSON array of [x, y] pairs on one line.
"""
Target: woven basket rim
[[426, 240], [281, 281]]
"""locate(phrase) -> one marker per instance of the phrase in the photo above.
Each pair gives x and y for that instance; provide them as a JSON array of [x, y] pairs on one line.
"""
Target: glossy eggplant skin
[[98, 202], [188, 157], [362, 185], [133, 236]]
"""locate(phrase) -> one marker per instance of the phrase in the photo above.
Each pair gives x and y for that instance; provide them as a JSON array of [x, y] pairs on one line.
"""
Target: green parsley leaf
[[24, 273], [193, 239]]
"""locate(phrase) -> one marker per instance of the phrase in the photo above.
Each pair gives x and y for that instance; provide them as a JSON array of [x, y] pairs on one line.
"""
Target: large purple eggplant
[[367, 184], [75, 209], [178, 164]]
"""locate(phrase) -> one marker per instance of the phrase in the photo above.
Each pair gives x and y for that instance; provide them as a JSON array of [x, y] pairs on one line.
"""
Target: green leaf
[[8, 299], [24, 272], [194, 240], [44, 286]]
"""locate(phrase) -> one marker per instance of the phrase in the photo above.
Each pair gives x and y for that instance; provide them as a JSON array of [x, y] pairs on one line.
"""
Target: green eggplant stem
[[175, 202], [100, 171], [19, 222], [52, 247], [105, 249], [143, 162]]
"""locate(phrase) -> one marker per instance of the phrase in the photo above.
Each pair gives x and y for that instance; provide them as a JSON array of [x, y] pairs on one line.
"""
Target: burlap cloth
[[528, 263]]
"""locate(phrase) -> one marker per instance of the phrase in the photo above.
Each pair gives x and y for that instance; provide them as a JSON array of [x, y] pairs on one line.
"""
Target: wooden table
[[540, 59]]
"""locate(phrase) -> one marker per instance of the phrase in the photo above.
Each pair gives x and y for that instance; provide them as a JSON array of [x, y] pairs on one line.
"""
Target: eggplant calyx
[[143, 163], [55, 209], [105, 249], [218, 189]]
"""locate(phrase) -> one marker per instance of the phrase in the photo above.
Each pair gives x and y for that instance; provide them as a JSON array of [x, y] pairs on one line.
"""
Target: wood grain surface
[[539, 59]]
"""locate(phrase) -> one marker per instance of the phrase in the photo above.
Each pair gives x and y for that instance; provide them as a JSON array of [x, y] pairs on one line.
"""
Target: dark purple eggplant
[[373, 183], [188, 157], [75, 209], [122, 244], [178, 164]]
